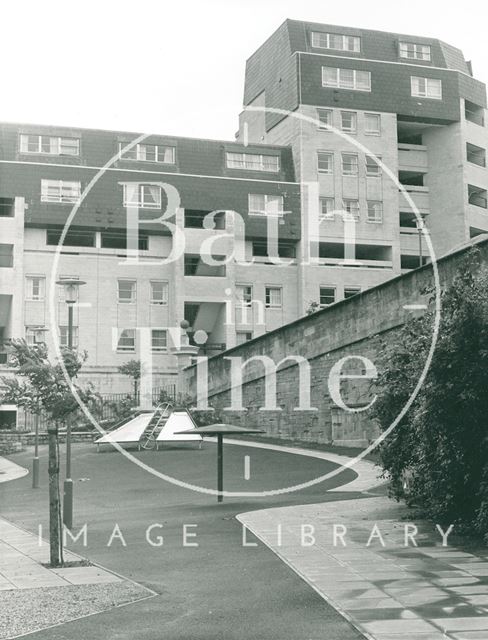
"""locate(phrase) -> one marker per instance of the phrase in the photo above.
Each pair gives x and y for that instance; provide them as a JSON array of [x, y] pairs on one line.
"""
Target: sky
[[177, 67]]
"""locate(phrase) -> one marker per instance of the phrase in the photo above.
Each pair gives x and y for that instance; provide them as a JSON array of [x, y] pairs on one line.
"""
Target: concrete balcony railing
[[360, 264], [412, 157], [420, 197]]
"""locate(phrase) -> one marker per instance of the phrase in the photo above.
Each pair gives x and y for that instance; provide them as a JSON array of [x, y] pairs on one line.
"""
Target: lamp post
[[38, 339], [70, 290], [420, 224]]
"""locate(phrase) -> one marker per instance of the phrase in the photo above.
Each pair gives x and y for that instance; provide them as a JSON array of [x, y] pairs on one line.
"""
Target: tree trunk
[[54, 502]]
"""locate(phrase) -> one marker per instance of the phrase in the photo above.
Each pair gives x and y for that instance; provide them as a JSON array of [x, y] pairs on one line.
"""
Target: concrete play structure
[[153, 429]]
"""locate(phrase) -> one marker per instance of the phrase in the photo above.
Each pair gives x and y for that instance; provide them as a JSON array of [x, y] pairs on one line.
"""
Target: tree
[[40, 383], [132, 369], [442, 442]]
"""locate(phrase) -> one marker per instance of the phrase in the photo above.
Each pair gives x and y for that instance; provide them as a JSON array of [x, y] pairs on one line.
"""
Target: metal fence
[[109, 407]]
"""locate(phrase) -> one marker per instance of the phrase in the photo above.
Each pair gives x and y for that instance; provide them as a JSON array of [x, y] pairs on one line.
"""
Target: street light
[[70, 291], [420, 225], [38, 339]]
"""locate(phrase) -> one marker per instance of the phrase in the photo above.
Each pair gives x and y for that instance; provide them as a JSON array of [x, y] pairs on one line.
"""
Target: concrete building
[[333, 118], [340, 95]]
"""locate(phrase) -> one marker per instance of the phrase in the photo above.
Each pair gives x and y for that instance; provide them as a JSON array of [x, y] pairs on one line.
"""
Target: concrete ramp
[[130, 432]]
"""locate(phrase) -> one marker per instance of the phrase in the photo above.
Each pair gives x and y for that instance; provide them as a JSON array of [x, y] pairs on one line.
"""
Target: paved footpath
[[390, 592]]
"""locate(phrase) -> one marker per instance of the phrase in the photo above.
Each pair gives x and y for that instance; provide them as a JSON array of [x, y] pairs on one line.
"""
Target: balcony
[[412, 158], [368, 256]]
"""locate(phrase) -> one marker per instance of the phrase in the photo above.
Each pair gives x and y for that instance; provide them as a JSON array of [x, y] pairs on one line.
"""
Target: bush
[[441, 445]]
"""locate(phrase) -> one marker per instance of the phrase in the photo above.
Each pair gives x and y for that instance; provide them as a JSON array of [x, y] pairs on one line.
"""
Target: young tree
[[132, 369], [38, 382]]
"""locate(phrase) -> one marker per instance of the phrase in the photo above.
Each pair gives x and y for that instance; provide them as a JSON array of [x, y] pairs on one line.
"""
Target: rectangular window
[[327, 296], [351, 209], [475, 154], [159, 292], [126, 291], [349, 121], [149, 153], [373, 169], [426, 88], [349, 164], [346, 78], [372, 124], [375, 211], [260, 204], [118, 240], [243, 336], [30, 336], [336, 41], [325, 162], [35, 287], [7, 207], [414, 51], [6, 255], [273, 297], [327, 207], [51, 145], [144, 196], [244, 294], [127, 340], [252, 162], [63, 336], [73, 238], [325, 118], [349, 292], [61, 191], [159, 340], [194, 265]]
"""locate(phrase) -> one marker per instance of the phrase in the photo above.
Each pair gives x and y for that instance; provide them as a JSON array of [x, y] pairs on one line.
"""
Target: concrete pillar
[[184, 353]]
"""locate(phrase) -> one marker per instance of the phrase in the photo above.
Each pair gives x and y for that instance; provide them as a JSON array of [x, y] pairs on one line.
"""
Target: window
[[7, 207], [349, 121], [373, 169], [30, 335], [273, 297], [414, 51], [349, 164], [426, 88], [6, 255], [375, 211], [336, 41], [351, 209], [52, 145], [118, 240], [349, 292], [73, 238], [327, 207], [260, 204], [327, 296], [325, 162], [244, 294], [243, 336], [63, 336], [285, 249], [476, 196], [372, 124], [60, 191], [35, 287], [126, 291], [346, 79], [475, 154], [325, 118], [252, 162], [145, 196], [127, 340], [159, 340], [149, 153], [159, 292]]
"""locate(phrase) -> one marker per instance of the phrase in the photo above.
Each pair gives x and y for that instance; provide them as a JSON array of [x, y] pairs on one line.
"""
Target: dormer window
[[336, 42], [413, 51]]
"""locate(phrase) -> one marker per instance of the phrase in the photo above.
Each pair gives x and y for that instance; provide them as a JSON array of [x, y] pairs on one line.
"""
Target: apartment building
[[135, 295], [385, 124], [342, 130]]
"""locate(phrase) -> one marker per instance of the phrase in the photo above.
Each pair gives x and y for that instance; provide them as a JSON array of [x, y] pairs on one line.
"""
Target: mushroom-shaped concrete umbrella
[[220, 430]]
